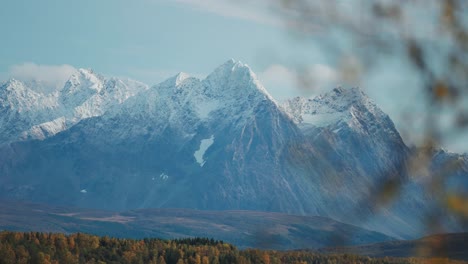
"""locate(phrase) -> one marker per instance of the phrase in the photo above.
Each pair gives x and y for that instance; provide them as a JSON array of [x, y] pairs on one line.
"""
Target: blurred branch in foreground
[[430, 37]]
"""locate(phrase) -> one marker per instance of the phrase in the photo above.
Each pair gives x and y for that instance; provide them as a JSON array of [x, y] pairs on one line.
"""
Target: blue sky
[[147, 40], [151, 40]]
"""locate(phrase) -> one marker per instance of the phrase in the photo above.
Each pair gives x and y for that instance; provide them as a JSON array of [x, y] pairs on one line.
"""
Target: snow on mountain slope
[[32, 115], [183, 102], [347, 128], [235, 81], [28, 114], [218, 143], [204, 145], [349, 124], [346, 106], [170, 104], [119, 156], [237, 92], [87, 94], [21, 108], [16, 96]]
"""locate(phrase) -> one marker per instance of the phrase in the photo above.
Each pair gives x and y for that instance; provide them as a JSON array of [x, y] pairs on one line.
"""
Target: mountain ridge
[[215, 144], [39, 115], [245, 229]]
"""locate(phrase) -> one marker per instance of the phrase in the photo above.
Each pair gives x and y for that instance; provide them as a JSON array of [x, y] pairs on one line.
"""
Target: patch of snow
[[181, 77], [336, 130], [204, 145], [46, 129], [163, 176]]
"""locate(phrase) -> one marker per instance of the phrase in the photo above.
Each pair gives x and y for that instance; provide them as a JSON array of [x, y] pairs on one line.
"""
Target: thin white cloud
[[279, 81], [255, 11], [51, 76], [283, 82], [319, 77]]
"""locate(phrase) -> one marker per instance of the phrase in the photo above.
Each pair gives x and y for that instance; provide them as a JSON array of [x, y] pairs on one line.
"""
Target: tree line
[[37, 247]]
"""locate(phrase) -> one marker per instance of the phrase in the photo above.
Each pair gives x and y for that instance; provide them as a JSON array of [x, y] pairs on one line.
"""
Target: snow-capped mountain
[[345, 127], [340, 106], [348, 128], [29, 113], [22, 108], [347, 122], [177, 137], [232, 90], [87, 94], [218, 143]]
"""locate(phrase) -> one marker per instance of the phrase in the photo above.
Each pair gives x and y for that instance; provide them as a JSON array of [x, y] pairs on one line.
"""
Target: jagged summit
[[17, 96], [341, 98], [10, 82], [223, 73], [232, 90], [29, 112], [233, 81], [180, 77], [176, 81], [236, 79], [341, 105], [12, 85], [83, 79]]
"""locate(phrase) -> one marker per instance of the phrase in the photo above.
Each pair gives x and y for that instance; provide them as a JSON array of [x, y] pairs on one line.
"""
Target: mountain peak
[[340, 104], [181, 83], [236, 78], [85, 79], [18, 96], [230, 63], [231, 66], [11, 82], [343, 99], [16, 88], [180, 77], [176, 80], [351, 92], [90, 74]]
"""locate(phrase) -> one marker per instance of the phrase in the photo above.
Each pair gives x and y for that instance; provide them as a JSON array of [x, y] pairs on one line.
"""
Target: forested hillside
[[35, 247]]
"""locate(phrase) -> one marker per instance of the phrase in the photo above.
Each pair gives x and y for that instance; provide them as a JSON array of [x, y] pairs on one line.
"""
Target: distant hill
[[454, 246], [242, 228]]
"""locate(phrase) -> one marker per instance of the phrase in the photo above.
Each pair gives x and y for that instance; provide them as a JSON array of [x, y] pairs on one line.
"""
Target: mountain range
[[221, 143]]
